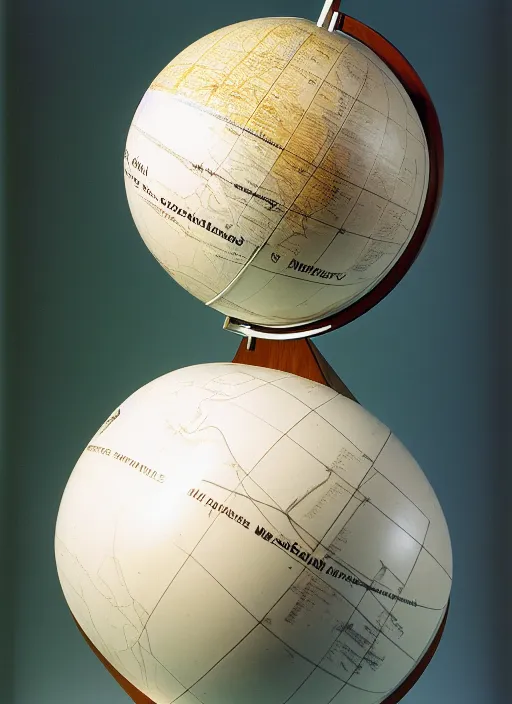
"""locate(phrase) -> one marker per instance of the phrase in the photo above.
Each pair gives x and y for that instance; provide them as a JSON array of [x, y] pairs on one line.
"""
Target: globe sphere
[[237, 534], [276, 170]]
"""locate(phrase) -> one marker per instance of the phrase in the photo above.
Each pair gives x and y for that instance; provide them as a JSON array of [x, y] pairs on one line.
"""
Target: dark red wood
[[299, 357], [421, 100]]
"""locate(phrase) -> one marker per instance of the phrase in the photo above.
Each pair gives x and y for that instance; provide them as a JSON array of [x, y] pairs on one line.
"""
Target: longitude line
[[380, 631]]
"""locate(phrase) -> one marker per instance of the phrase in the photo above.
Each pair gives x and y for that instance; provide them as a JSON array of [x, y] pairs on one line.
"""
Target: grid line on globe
[[276, 171], [192, 416]]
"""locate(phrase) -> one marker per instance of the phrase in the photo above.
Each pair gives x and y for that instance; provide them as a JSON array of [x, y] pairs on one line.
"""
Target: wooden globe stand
[[290, 349], [300, 357]]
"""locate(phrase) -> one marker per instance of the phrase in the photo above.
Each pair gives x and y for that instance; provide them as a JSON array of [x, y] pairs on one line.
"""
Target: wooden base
[[299, 357]]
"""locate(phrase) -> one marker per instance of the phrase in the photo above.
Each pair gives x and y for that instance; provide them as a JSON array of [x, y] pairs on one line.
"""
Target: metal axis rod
[[329, 15]]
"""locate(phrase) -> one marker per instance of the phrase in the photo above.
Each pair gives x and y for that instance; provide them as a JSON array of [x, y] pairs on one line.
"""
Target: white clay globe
[[239, 535], [276, 170]]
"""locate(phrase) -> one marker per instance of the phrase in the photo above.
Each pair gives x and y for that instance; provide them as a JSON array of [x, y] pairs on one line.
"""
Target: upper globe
[[276, 170]]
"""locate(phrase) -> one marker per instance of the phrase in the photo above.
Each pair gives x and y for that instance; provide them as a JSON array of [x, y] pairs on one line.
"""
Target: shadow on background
[[501, 233], [7, 477], [88, 316]]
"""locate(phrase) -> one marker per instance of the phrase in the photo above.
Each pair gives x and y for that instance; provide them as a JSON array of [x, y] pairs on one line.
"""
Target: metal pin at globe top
[[246, 532]]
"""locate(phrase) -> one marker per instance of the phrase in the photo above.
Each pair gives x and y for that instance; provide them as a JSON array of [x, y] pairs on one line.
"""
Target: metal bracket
[[246, 330], [329, 15]]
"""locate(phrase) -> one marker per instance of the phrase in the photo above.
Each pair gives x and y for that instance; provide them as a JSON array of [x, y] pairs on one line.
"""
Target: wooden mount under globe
[[302, 358]]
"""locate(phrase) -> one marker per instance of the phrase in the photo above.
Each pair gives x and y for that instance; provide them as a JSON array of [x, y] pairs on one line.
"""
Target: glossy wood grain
[[299, 357]]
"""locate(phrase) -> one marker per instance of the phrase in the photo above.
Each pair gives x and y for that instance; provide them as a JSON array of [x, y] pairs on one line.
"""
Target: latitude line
[[393, 521], [260, 622], [313, 410], [368, 500], [203, 535], [308, 180], [150, 652], [381, 632], [398, 176], [252, 500], [264, 382], [248, 54], [363, 187], [413, 187], [378, 471], [171, 220], [314, 575], [356, 489], [308, 281], [330, 472], [208, 49], [372, 107], [350, 232], [336, 639], [393, 79], [221, 295], [322, 82], [380, 70], [258, 248], [190, 555], [315, 168], [292, 521], [287, 645], [320, 542]]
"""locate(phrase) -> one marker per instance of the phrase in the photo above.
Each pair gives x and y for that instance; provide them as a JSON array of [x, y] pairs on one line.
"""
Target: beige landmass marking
[[273, 124]]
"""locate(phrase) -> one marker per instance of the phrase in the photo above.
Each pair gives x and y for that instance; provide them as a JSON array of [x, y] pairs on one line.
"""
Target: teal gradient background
[[90, 316]]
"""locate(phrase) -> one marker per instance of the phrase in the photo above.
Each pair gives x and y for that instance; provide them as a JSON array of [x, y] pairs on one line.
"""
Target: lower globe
[[240, 535]]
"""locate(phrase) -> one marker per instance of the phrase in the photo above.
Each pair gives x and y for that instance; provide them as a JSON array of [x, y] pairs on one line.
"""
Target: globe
[[276, 170], [234, 534]]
